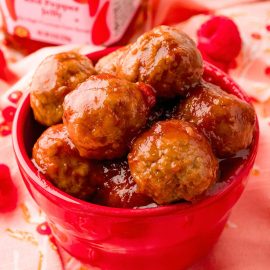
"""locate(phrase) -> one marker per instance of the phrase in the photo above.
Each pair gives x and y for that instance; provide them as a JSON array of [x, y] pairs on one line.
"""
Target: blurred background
[[33, 29]]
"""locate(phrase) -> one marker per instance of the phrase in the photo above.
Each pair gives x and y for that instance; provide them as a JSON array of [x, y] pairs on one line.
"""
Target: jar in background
[[31, 24]]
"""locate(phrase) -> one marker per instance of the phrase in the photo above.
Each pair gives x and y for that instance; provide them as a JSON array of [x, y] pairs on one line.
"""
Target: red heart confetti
[[15, 96], [8, 191]]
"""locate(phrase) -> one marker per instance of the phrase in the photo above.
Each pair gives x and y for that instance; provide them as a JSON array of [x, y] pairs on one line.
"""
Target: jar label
[[71, 21]]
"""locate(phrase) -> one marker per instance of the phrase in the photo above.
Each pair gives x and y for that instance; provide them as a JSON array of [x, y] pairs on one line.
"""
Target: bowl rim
[[49, 190]]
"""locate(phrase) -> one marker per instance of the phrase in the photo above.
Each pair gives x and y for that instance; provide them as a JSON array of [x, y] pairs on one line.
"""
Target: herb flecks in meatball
[[172, 161], [105, 113], [58, 159], [225, 120], [54, 78]]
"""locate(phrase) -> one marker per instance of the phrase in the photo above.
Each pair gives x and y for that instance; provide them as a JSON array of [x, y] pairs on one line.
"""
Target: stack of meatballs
[[141, 127]]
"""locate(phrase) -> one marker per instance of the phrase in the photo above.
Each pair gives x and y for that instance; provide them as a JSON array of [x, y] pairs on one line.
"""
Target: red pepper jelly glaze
[[227, 166], [99, 235], [118, 188]]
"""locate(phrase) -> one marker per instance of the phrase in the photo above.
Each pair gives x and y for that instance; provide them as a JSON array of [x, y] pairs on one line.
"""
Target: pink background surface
[[245, 242]]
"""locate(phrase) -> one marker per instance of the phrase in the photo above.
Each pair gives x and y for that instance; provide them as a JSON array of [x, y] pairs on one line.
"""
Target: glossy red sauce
[[118, 188], [164, 109]]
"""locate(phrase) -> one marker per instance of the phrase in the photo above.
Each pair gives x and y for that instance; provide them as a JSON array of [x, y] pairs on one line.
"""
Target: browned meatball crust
[[104, 114], [165, 58], [109, 63], [55, 77], [172, 161], [56, 156], [225, 120]]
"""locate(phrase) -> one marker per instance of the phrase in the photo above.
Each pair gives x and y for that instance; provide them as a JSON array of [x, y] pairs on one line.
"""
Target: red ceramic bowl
[[169, 237]]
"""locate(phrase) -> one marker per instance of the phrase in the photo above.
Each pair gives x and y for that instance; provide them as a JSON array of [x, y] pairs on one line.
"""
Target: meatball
[[225, 120], [55, 77], [165, 58], [110, 62], [172, 161], [105, 113], [57, 158], [118, 188]]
